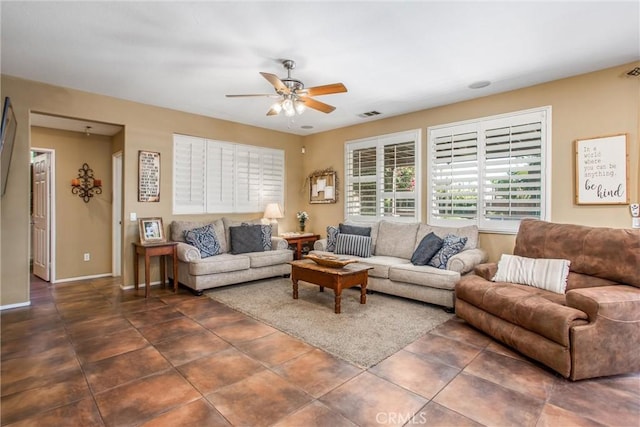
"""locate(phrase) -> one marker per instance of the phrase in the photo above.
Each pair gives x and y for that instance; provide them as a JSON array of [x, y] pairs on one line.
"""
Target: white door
[[116, 257], [41, 217]]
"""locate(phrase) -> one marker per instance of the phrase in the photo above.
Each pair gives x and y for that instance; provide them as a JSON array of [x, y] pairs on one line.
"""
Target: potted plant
[[302, 219]]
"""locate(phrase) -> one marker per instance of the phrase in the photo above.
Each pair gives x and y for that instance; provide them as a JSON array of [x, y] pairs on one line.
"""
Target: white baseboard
[[17, 305], [74, 279], [141, 285]]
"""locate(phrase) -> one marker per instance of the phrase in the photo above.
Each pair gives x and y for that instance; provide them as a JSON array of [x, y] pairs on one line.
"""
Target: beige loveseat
[[591, 330], [393, 244], [200, 273]]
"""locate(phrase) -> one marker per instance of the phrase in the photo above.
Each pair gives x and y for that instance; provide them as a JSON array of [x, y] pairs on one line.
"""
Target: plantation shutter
[[361, 186], [272, 190], [247, 179], [220, 166], [188, 175], [490, 172], [381, 177], [223, 177], [454, 174], [398, 172], [512, 173]]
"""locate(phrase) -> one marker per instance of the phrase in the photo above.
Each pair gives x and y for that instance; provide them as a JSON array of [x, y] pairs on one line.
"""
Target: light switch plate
[[133, 216]]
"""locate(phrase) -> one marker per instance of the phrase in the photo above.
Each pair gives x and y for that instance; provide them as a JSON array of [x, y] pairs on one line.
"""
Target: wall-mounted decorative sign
[[148, 176], [323, 186], [602, 170]]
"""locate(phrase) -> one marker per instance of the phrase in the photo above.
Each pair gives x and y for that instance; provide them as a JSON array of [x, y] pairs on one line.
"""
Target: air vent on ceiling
[[634, 73], [369, 114]]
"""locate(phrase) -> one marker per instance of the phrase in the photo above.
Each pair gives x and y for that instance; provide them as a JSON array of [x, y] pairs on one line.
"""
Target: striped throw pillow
[[352, 244], [549, 274]]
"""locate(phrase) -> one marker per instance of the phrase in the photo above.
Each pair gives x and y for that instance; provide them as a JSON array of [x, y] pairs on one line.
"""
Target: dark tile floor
[[89, 354]]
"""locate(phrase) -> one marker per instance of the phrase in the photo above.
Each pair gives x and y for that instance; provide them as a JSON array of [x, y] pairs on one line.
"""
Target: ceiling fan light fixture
[[277, 107], [299, 106], [287, 106]]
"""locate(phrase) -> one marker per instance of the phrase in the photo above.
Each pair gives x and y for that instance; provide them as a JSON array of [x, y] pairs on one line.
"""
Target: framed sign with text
[[602, 170], [148, 176]]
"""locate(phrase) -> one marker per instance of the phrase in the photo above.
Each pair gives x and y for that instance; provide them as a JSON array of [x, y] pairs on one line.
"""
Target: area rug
[[361, 334]]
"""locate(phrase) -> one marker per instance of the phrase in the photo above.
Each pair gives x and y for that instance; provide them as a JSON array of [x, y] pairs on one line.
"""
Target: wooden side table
[[298, 241], [155, 249]]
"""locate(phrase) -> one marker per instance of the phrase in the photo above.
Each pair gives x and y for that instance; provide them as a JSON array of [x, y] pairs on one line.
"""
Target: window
[[222, 177], [490, 172], [381, 177]]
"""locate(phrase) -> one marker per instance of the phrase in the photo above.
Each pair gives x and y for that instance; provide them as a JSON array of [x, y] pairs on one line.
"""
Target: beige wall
[[594, 104], [145, 128], [80, 227], [601, 103]]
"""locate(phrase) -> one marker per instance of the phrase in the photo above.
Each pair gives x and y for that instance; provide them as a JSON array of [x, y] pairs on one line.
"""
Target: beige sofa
[[393, 244], [591, 330], [226, 268]]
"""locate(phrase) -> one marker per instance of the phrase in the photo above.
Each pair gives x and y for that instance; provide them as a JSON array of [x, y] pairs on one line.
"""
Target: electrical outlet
[[87, 256]]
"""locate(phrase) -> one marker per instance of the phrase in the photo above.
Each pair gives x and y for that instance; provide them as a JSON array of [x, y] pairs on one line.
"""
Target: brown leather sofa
[[593, 329]]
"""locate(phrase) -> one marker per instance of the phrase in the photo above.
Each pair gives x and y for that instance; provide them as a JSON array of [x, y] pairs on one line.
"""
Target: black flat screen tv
[[7, 139]]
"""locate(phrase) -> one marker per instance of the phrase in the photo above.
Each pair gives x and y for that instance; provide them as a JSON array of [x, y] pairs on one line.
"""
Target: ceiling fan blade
[[325, 89], [272, 112], [270, 95], [317, 105], [276, 82]]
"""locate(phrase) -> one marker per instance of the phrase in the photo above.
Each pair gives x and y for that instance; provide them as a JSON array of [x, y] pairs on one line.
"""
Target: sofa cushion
[[424, 275], [427, 248], [352, 244], [268, 258], [223, 263], [532, 308], [607, 253], [549, 274], [382, 264], [203, 238], [332, 236], [451, 245], [396, 239], [358, 230], [248, 238]]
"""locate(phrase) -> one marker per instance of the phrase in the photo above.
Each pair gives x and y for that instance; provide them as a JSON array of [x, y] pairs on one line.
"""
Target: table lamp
[[272, 212]]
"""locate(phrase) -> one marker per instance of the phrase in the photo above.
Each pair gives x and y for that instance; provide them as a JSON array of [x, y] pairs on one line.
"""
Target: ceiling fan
[[294, 97]]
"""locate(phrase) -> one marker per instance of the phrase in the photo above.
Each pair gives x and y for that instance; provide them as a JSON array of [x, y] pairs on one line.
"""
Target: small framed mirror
[[323, 187]]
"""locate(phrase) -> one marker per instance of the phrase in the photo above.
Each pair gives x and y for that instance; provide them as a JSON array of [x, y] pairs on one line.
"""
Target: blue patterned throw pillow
[[266, 236], [332, 236], [205, 239], [450, 246]]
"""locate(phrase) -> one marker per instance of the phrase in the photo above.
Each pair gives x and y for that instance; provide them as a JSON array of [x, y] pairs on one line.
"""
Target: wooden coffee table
[[334, 278]]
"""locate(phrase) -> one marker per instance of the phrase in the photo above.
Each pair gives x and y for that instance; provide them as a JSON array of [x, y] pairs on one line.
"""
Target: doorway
[[85, 258]]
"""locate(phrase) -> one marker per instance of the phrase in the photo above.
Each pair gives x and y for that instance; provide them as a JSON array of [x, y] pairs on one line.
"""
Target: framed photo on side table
[[151, 230]]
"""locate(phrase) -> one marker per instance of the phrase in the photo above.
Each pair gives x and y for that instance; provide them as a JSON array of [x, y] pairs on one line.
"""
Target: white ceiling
[[393, 56]]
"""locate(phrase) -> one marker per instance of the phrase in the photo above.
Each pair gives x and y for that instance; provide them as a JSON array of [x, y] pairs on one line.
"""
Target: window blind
[[512, 175], [221, 164], [454, 177], [490, 172], [381, 177], [188, 175], [223, 177]]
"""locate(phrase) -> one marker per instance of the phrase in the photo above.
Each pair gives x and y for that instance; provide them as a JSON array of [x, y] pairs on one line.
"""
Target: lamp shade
[[272, 211]]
